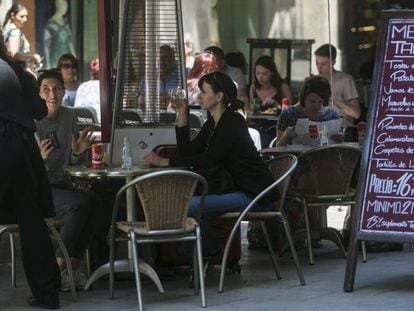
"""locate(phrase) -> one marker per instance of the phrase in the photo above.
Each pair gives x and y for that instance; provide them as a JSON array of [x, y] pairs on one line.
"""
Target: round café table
[[120, 265]]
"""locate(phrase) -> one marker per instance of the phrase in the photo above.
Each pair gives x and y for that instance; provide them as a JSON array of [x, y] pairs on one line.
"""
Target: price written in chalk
[[403, 186]]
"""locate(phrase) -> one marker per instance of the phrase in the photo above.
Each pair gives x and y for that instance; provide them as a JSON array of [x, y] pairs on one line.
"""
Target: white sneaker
[[80, 279], [64, 281]]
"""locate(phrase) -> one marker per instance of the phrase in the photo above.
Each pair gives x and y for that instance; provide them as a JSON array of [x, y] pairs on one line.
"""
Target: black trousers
[[23, 200], [79, 210]]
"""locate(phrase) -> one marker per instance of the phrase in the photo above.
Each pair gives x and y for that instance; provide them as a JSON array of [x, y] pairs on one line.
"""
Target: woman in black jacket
[[223, 146]]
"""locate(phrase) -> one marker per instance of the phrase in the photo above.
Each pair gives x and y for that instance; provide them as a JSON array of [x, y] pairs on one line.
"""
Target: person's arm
[[285, 131], [348, 103], [13, 46], [285, 137], [46, 43], [287, 93], [350, 108]]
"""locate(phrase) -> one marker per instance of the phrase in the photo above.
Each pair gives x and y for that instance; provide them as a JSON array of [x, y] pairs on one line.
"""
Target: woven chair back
[[165, 200], [331, 168], [278, 166]]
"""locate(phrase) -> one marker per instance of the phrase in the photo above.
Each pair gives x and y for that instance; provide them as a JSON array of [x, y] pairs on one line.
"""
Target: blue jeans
[[214, 205]]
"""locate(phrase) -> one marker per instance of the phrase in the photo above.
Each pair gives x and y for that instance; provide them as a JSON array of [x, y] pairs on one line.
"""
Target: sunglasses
[[67, 66]]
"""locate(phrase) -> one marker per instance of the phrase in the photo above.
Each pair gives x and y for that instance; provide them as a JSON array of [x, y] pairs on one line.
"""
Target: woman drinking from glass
[[223, 145]]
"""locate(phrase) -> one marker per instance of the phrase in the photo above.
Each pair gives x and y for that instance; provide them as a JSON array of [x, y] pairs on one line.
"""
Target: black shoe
[[51, 303]]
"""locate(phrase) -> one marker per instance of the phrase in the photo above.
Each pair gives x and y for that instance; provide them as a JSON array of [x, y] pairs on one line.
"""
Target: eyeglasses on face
[[67, 66]]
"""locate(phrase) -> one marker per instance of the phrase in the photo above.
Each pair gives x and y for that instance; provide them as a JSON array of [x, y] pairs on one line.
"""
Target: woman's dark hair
[[275, 78], [69, 57], [317, 85], [236, 59], [50, 74], [3, 49], [220, 82], [15, 8]]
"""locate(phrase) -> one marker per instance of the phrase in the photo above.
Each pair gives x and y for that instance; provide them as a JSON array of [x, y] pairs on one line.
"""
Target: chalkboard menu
[[387, 203], [384, 208]]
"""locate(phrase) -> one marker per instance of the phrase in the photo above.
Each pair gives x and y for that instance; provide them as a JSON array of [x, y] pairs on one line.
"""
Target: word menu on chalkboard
[[388, 203]]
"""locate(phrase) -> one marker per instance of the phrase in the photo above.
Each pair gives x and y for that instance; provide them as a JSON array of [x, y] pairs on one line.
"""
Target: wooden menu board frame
[[384, 209]]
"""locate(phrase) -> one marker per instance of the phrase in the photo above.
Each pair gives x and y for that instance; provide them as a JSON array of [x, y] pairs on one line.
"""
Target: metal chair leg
[[12, 259], [111, 266], [88, 262], [134, 248], [226, 253], [58, 239], [270, 249], [200, 267], [308, 235], [196, 267], [293, 251]]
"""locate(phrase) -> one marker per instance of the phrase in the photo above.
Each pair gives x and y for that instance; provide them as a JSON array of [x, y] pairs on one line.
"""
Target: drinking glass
[[323, 135]]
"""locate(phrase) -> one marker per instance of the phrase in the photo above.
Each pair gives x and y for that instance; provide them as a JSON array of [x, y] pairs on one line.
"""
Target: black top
[[19, 101], [24, 169], [229, 145]]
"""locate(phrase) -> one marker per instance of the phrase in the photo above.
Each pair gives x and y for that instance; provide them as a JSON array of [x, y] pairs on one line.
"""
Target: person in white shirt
[[88, 94], [344, 93]]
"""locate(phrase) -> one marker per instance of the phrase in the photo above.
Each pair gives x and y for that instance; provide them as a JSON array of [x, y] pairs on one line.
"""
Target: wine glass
[[177, 97]]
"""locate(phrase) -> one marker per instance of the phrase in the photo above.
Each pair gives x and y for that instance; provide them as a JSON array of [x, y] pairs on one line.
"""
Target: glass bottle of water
[[126, 155]]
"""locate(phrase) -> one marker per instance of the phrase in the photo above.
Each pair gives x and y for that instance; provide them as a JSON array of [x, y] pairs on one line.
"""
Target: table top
[[263, 116], [113, 172], [297, 149]]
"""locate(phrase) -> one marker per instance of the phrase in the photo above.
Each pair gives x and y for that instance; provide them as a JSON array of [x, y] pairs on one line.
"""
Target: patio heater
[[150, 67]]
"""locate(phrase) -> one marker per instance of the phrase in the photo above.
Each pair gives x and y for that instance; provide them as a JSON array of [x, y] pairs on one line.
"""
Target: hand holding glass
[[178, 99]]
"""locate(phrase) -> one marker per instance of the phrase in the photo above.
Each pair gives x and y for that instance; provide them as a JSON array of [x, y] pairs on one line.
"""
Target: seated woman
[[60, 146], [268, 88], [68, 66], [313, 104], [223, 142]]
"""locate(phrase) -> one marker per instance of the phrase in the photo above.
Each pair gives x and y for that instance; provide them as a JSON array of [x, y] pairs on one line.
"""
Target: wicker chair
[[282, 168], [324, 178], [52, 224], [165, 197]]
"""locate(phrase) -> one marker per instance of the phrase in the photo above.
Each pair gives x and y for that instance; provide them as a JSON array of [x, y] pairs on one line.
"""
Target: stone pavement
[[385, 282]]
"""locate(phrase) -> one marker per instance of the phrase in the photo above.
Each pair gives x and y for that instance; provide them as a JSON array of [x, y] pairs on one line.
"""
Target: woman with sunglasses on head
[[16, 42], [68, 67], [223, 145]]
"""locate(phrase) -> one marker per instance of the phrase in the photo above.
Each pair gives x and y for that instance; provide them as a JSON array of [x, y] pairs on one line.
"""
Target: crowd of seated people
[[217, 83]]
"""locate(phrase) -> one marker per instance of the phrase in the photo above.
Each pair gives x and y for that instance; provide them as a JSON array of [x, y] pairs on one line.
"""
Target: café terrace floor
[[385, 282]]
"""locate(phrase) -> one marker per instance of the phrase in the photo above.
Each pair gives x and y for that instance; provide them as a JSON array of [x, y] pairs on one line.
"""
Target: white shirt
[[237, 76], [88, 95]]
